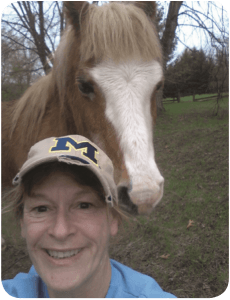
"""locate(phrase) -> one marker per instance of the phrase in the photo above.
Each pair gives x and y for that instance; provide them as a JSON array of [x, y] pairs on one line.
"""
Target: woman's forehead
[[59, 185], [60, 180], [64, 178]]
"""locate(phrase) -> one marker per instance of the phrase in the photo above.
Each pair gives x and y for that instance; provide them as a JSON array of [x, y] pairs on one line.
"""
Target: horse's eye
[[85, 87], [159, 85]]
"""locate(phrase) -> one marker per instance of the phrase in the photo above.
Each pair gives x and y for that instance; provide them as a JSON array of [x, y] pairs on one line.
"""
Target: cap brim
[[69, 160]]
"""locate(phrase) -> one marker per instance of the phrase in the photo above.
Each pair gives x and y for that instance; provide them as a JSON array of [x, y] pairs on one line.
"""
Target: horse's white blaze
[[127, 88]]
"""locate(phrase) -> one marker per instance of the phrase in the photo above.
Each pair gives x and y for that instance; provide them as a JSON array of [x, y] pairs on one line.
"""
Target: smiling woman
[[66, 202], [67, 231]]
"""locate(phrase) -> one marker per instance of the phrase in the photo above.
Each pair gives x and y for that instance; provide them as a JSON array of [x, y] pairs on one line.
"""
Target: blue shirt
[[125, 283]]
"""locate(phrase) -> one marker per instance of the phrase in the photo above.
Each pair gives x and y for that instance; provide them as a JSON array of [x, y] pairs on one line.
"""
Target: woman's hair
[[80, 174]]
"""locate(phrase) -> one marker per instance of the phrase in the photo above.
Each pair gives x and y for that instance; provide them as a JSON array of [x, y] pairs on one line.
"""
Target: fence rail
[[210, 98], [196, 100], [168, 101]]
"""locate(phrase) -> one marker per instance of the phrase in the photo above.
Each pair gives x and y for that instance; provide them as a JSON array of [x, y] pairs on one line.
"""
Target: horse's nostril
[[125, 202]]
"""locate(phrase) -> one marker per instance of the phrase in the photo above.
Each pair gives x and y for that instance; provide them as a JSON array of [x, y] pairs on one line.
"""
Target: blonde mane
[[118, 31], [33, 103]]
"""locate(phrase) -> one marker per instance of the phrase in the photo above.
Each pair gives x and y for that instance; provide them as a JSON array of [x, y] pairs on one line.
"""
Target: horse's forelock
[[118, 31]]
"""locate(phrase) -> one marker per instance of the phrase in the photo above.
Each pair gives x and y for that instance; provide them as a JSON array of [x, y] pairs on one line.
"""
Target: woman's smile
[[63, 258], [59, 254]]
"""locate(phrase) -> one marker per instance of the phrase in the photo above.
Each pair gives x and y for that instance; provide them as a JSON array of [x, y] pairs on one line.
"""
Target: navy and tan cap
[[75, 150]]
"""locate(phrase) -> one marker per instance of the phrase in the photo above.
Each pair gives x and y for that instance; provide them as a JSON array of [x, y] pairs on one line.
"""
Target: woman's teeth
[[59, 254]]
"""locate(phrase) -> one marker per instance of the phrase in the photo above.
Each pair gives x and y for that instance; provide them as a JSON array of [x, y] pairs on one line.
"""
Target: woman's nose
[[62, 226]]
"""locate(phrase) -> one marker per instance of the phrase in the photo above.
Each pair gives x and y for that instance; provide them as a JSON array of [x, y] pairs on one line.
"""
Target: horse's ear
[[149, 8], [74, 12]]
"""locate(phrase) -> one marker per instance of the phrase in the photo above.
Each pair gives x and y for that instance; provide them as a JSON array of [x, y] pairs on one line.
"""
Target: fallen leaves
[[190, 224], [165, 256]]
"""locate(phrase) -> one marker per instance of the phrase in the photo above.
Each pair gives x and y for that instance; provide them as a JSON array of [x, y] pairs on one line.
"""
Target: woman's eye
[[41, 209], [85, 205], [85, 87]]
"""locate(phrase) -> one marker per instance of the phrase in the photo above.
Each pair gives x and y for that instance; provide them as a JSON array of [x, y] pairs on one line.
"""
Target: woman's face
[[67, 230]]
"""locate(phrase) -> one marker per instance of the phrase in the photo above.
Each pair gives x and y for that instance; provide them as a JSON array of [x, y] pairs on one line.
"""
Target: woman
[[66, 200]]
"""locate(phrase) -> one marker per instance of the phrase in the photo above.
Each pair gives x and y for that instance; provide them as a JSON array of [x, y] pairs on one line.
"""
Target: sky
[[197, 37], [187, 35]]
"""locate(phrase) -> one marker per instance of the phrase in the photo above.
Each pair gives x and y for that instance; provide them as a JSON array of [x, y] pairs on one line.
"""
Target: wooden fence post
[[178, 97], [193, 96]]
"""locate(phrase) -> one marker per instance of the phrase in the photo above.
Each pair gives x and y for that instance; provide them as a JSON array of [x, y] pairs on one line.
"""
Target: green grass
[[188, 115], [11, 230]]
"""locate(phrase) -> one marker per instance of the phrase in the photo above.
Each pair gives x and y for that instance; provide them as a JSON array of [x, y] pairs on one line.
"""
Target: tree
[[168, 38], [190, 74], [17, 64], [220, 74], [38, 25], [168, 41]]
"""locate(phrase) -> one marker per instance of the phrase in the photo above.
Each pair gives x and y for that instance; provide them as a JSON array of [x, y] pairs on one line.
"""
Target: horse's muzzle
[[141, 198]]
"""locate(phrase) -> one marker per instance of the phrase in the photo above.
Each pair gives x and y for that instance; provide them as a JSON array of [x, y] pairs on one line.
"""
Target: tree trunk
[[170, 29], [167, 40], [159, 101], [178, 97]]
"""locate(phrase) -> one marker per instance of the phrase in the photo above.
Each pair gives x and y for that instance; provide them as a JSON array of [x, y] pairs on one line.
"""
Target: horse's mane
[[118, 31], [33, 104]]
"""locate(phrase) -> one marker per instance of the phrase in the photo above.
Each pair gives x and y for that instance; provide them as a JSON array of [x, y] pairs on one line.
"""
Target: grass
[[191, 147], [10, 230], [188, 115]]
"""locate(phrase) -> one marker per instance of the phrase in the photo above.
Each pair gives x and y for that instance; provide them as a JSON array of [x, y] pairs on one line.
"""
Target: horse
[[103, 85]]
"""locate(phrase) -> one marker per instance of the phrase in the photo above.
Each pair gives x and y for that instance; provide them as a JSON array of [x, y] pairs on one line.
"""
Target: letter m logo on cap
[[66, 144]]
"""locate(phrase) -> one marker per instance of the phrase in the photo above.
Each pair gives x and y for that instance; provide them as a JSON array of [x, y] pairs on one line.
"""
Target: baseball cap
[[75, 150]]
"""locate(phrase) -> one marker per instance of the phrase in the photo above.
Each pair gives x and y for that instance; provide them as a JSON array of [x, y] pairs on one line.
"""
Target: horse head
[[112, 56]]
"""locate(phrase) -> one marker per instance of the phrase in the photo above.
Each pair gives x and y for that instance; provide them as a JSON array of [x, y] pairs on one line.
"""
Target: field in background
[[191, 149], [190, 98]]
